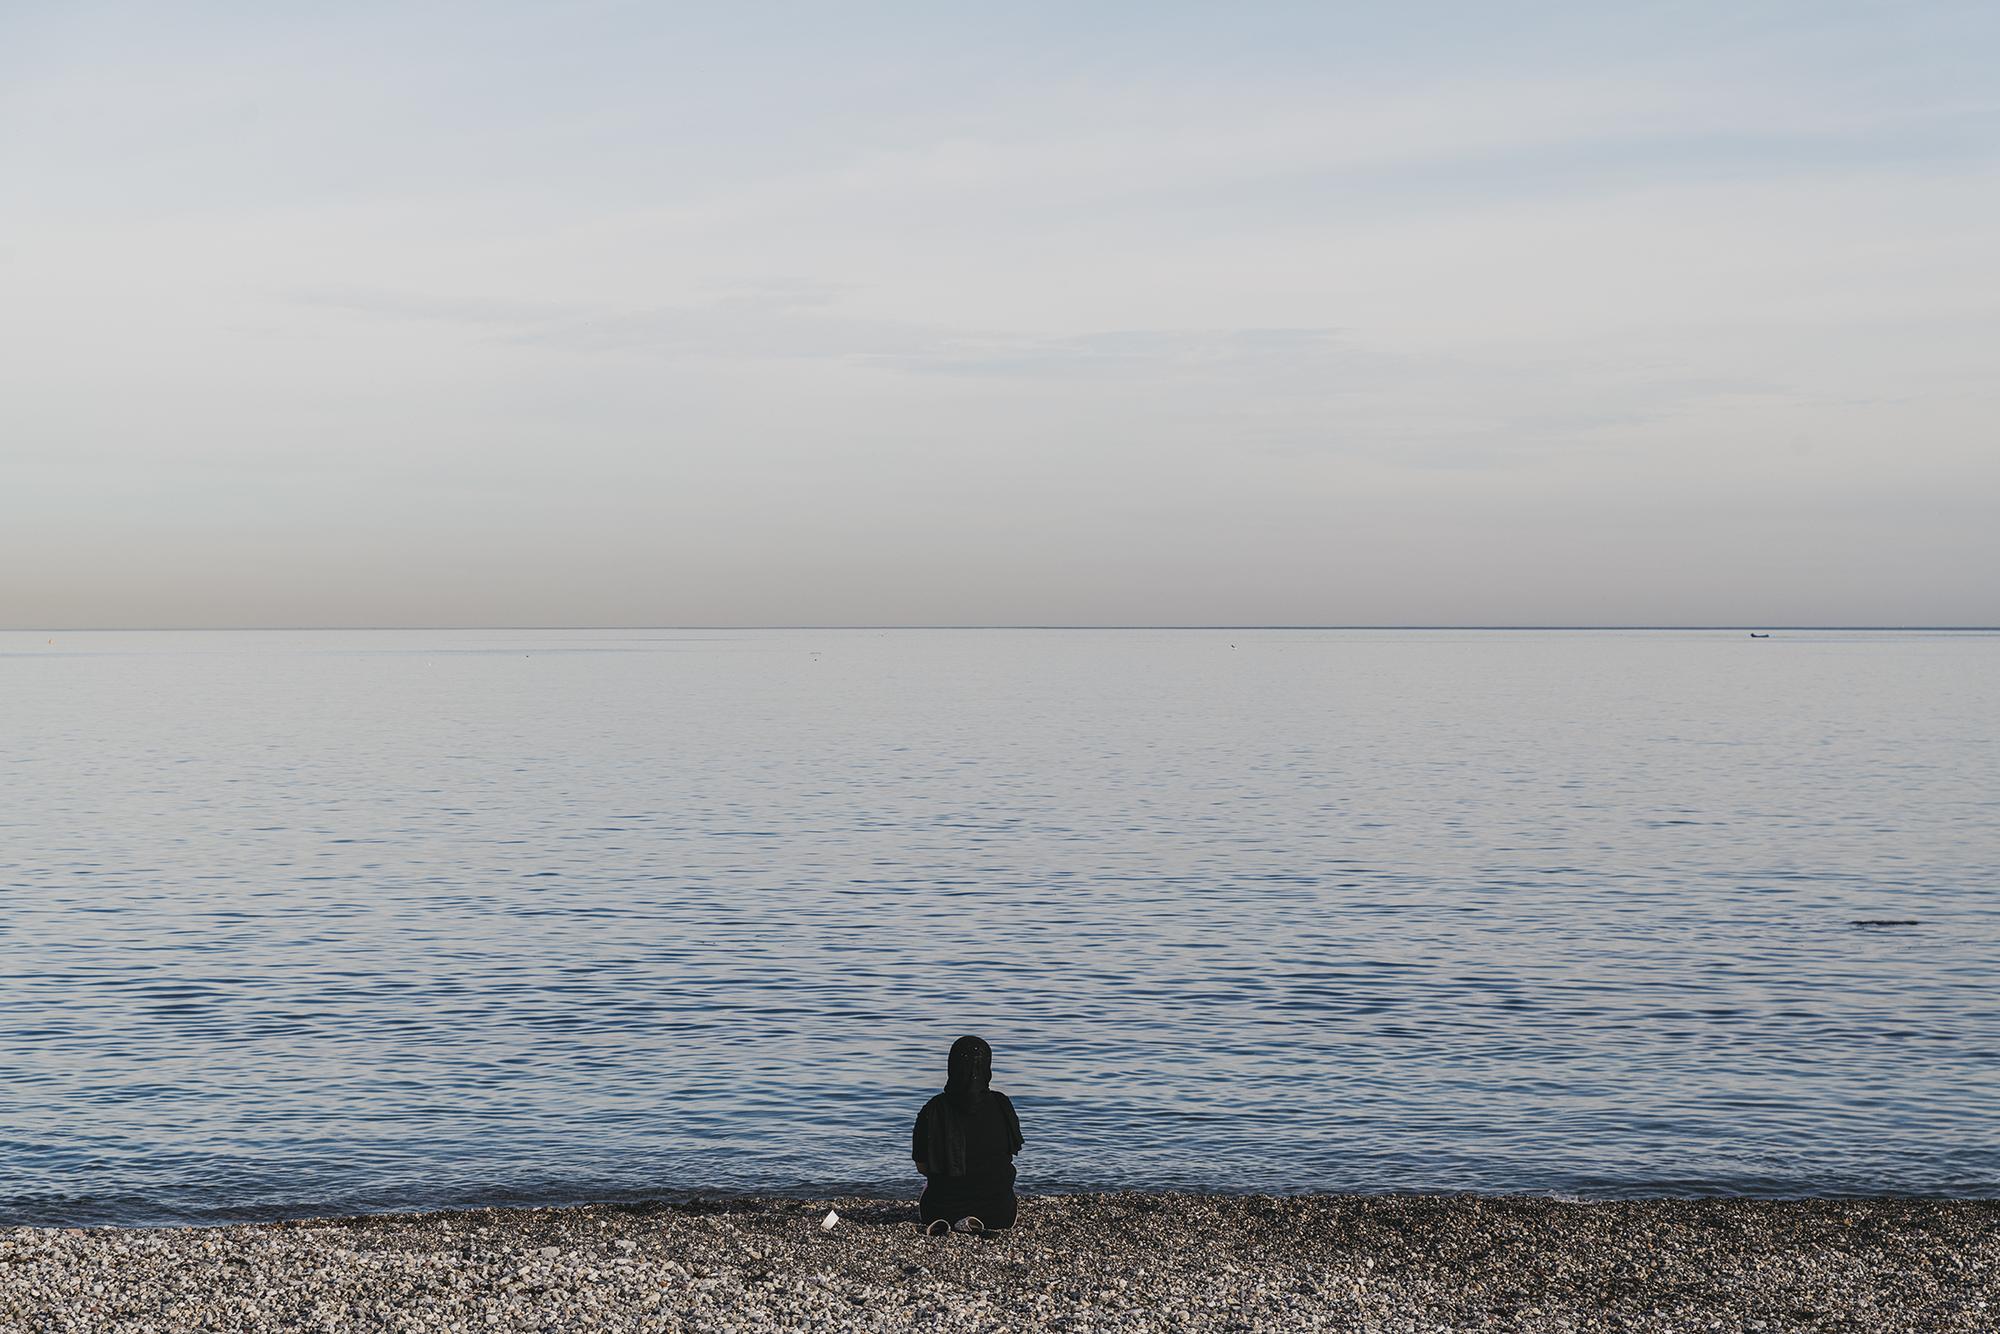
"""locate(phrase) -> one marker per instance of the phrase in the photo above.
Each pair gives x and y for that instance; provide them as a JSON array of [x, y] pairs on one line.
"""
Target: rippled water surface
[[299, 922]]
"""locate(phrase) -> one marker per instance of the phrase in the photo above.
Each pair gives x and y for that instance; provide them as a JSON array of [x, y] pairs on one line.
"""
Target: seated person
[[964, 1143]]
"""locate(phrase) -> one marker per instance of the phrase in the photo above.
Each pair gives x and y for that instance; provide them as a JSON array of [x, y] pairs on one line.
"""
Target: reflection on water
[[340, 921]]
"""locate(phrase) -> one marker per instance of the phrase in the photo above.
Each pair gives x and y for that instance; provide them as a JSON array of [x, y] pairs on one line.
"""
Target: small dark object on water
[[1886, 921], [1755, 635]]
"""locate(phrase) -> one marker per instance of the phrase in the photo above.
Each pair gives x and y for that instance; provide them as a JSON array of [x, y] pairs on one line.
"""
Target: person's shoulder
[[935, 1100], [1005, 1101]]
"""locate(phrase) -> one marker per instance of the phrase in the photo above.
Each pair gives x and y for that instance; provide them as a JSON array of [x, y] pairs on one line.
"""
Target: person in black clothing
[[964, 1143]]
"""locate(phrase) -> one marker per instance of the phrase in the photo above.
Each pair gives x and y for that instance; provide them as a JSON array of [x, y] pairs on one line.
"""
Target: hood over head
[[969, 1071]]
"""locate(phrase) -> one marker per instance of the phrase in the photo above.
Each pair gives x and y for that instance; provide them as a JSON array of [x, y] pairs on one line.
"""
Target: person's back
[[964, 1143]]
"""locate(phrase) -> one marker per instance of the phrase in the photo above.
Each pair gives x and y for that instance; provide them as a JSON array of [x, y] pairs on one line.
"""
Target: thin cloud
[[674, 310], [786, 321]]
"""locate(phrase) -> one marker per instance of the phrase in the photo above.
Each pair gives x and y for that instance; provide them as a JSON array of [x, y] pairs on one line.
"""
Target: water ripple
[[302, 922]]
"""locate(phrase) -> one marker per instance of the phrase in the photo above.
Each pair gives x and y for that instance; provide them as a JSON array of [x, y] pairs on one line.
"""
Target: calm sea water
[[306, 922]]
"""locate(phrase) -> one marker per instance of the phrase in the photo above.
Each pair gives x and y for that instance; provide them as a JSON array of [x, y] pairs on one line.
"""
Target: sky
[[497, 314]]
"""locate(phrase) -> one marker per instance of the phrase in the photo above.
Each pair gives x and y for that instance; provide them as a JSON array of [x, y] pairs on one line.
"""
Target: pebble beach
[[1075, 1262]]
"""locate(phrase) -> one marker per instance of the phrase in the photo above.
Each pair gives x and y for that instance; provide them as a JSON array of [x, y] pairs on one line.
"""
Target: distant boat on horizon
[[1755, 635]]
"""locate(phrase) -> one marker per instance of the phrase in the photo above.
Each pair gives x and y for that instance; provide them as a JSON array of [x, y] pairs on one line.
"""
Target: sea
[[299, 923]]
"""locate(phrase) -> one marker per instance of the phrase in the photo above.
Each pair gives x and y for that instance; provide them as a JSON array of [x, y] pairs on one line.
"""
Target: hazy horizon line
[[1282, 626]]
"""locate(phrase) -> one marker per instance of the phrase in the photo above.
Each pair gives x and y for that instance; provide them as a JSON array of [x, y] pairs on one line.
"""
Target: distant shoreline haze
[[1526, 628]]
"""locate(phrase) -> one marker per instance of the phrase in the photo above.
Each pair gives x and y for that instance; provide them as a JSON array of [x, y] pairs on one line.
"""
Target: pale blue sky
[[414, 314]]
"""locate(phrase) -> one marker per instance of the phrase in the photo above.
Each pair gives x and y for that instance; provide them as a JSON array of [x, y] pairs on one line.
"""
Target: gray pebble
[[1396, 1264]]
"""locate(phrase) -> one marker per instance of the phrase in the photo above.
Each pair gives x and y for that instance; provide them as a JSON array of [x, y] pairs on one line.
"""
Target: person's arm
[[918, 1134]]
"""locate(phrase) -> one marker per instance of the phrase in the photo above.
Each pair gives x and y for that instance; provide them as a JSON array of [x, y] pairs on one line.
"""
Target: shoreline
[[846, 1195], [1088, 1261]]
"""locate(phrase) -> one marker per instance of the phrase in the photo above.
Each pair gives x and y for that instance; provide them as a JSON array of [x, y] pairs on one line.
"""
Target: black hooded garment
[[966, 1138]]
